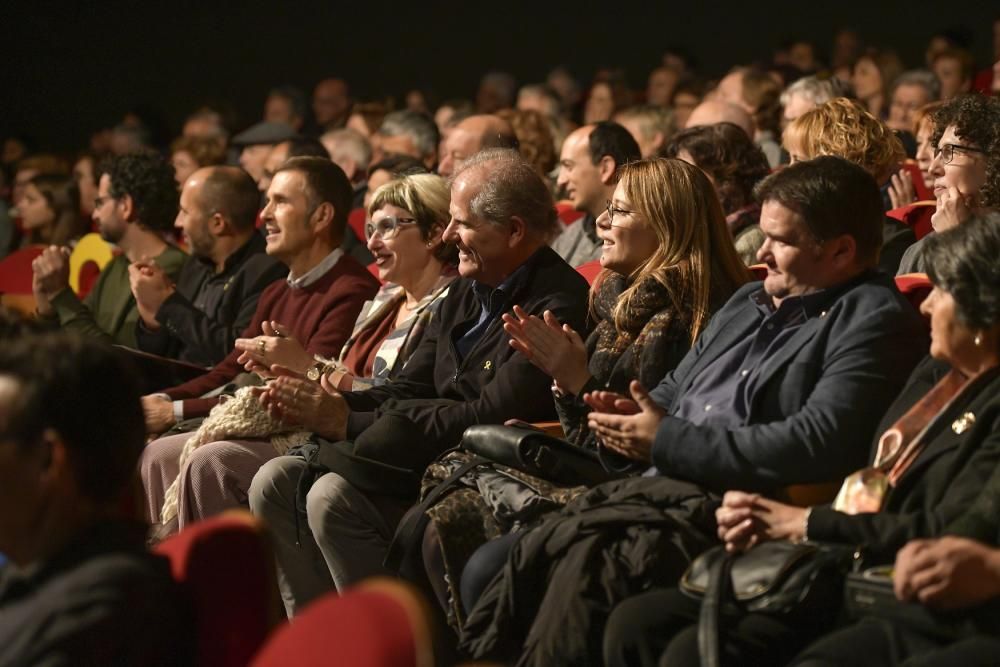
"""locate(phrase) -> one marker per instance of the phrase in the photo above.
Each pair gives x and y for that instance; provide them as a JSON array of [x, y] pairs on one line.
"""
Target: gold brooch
[[488, 366], [963, 423]]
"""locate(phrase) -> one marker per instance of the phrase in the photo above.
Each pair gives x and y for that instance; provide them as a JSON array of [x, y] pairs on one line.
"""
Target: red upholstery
[[373, 269], [758, 271], [919, 187], [566, 212], [382, 624], [356, 221], [917, 216], [915, 287], [590, 270], [227, 570], [15, 270]]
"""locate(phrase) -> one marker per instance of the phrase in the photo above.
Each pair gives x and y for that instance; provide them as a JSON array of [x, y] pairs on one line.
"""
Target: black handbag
[[776, 577], [537, 453]]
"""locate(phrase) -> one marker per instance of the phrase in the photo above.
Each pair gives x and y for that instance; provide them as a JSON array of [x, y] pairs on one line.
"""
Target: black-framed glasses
[[613, 211], [387, 227], [947, 152]]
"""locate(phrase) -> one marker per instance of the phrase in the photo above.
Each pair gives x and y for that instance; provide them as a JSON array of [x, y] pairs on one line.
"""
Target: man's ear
[[607, 169], [842, 251], [518, 231], [127, 207], [322, 217], [54, 459], [218, 225]]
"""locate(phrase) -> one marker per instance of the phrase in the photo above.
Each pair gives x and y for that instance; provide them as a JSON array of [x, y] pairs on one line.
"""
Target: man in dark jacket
[[464, 372], [198, 319]]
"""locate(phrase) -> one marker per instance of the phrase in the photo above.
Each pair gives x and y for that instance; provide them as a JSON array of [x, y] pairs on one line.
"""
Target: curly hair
[[205, 152], [724, 151], [976, 119], [148, 180], [844, 128], [534, 138], [962, 261]]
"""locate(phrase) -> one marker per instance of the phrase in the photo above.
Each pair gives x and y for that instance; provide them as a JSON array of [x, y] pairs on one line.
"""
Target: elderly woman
[[843, 128], [404, 234], [939, 447], [965, 167], [734, 164], [50, 211]]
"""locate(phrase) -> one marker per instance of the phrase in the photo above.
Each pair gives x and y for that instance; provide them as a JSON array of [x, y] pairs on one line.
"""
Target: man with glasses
[[375, 444], [135, 206], [965, 168], [588, 174]]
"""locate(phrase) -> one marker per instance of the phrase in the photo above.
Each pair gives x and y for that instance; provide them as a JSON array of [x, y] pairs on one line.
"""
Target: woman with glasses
[[965, 167], [407, 217], [668, 262]]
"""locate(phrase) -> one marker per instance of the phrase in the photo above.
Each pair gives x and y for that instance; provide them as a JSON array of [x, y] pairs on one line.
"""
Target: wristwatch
[[319, 369]]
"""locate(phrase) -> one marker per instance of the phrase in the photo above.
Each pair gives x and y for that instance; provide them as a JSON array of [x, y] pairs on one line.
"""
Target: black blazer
[[941, 485], [817, 401]]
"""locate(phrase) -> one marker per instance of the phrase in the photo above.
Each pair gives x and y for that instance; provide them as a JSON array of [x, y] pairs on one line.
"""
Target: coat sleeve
[[859, 373]]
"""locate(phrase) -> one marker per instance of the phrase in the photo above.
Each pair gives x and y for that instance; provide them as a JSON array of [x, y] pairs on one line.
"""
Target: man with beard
[[198, 318], [136, 204]]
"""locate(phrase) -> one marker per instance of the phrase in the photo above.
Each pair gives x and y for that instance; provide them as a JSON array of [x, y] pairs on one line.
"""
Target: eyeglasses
[[613, 211], [947, 152], [386, 227]]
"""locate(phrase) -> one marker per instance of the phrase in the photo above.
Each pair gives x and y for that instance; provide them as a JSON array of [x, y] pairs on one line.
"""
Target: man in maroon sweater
[[305, 217]]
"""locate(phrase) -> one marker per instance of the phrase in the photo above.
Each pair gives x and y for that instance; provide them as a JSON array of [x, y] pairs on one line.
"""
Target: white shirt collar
[[316, 272]]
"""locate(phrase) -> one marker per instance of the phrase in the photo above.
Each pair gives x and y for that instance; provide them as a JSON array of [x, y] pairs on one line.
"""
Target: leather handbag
[[536, 453], [776, 577]]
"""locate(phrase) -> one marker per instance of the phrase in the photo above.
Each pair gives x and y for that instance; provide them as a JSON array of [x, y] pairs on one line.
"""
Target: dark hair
[[399, 165], [307, 147], [325, 183], [149, 181], [724, 150], [66, 383], [611, 139], [834, 196], [963, 262], [204, 152], [233, 193], [977, 120], [296, 98], [63, 197], [763, 94]]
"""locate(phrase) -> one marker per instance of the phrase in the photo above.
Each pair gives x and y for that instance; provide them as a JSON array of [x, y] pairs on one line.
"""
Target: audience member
[[281, 152], [757, 93], [255, 145], [711, 112], [660, 86], [393, 166], [843, 128], [464, 372], [287, 105], [735, 413], [80, 588], [50, 211], [472, 135], [407, 133], [687, 95], [216, 293], [608, 95], [85, 177], [734, 165], [650, 126], [533, 139], [588, 172], [351, 151], [366, 118], [910, 91], [188, 154], [496, 91], [331, 104], [954, 69], [872, 77], [808, 93], [136, 204]]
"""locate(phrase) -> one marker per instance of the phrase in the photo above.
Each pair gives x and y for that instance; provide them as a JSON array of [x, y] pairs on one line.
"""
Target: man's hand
[[150, 287], [295, 400], [630, 435], [275, 347], [744, 519], [50, 275], [947, 573], [159, 413]]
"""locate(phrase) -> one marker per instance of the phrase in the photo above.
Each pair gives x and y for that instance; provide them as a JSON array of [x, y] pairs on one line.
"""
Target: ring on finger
[[261, 346]]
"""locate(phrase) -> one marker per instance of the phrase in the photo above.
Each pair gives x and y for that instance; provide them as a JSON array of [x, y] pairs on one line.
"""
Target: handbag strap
[[709, 619], [410, 532]]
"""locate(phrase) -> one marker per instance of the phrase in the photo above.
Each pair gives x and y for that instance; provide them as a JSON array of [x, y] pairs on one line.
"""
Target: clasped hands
[[151, 287], [276, 347], [49, 276]]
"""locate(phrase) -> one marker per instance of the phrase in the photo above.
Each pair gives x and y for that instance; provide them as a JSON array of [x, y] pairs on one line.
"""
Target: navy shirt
[[493, 302]]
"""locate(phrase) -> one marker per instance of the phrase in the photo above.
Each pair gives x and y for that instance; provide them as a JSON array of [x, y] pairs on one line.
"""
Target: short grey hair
[[919, 77], [511, 187], [652, 119], [418, 126], [815, 89], [349, 143]]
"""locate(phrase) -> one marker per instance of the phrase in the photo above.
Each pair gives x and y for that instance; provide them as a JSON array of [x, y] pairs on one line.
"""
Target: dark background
[[69, 68]]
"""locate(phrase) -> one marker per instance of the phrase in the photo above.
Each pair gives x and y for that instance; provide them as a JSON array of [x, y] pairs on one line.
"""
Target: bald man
[[711, 112], [198, 318], [471, 136]]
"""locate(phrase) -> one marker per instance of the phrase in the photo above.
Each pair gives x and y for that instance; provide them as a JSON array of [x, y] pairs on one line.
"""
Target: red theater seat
[[380, 623], [227, 570], [356, 221], [915, 287], [917, 216], [566, 212], [590, 270]]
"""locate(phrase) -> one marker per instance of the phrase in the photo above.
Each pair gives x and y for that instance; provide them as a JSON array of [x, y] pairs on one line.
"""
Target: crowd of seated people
[[700, 281]]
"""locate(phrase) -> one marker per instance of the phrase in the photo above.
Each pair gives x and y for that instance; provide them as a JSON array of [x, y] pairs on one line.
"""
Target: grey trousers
[[342, 539]]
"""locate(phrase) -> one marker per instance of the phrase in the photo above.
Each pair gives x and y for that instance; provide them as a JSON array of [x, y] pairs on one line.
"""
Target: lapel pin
[[488, 366]]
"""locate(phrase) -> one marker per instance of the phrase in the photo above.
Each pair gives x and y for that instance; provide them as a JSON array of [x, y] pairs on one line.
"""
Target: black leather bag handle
[[717, 594]]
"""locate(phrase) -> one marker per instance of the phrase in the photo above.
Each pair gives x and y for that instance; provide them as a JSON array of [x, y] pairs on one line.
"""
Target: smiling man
[[377, 443], [216, 294]]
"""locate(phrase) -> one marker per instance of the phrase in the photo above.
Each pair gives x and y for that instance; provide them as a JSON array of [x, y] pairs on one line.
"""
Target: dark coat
[[207, 312], [948, 476], [816, 402], [437, 396]]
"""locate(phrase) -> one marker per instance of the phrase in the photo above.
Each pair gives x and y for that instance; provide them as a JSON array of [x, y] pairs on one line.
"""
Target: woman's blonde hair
[[844, 128], [695, 251], [427, 198]]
